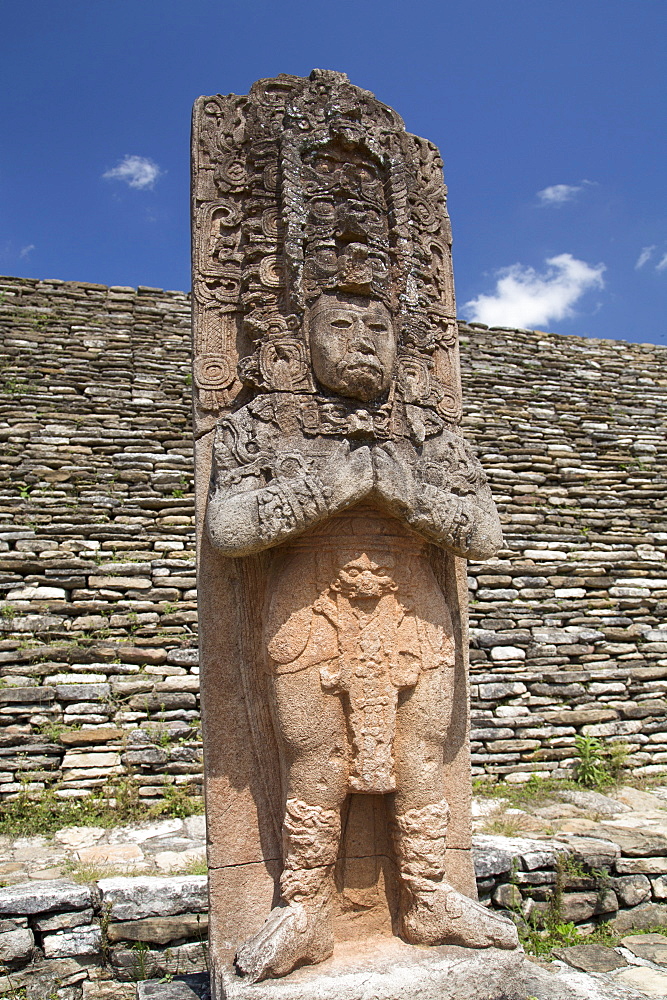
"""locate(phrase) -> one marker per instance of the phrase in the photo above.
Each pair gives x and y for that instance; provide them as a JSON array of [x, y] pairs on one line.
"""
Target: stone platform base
[[388, 969]]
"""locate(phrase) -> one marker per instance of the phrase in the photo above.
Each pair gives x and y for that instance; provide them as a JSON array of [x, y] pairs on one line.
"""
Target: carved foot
[[295, 934], [438, 914]]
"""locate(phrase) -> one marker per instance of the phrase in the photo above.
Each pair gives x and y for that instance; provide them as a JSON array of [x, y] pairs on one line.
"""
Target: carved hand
[[347, 475], [394, 475]]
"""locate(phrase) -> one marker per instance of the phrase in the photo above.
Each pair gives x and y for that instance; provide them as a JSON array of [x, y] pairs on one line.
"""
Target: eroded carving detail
[[323, 276]]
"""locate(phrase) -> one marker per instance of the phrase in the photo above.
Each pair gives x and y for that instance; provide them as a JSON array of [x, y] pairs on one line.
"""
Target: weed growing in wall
[[117, 803]]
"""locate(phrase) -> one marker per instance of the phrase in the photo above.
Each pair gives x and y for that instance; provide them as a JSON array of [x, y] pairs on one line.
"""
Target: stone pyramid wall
[[98, 655]]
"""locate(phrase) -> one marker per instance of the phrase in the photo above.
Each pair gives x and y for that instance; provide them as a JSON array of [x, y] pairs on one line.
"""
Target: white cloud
[[137, 171], [26, 251], [526, 298], [644, 257], [558, 194], [662, 263]]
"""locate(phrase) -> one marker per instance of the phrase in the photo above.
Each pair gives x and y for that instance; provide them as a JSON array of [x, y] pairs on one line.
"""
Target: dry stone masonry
[[98, 615], [99, 659]]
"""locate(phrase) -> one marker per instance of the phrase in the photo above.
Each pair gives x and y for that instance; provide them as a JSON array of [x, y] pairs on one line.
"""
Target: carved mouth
[[364, 366]]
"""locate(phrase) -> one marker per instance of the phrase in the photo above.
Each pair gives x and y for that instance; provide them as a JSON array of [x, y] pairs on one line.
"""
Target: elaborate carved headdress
[[308, 186]]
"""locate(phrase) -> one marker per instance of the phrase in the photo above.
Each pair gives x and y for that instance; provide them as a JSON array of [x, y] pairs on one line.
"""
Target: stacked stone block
[[97, 567]]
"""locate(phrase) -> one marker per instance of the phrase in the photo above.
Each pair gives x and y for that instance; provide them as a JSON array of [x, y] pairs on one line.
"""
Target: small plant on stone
[[15, 992], [566, 934], [140, 960], [617, 756], [178, 801], [591, 771]]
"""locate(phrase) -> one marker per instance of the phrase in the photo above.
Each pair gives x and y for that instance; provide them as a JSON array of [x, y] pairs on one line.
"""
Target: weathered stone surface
[[63, 921], [507, 896], [497, 855], [659, 887], [40, 897], [191, 987], [652, 947], [632, 889], [45, 977], [348, 535], [591, 957], [648, 866], [160, 930], [593, 802], [96, 990], [16, 945], [130, 964], [641, 917], [151, 896], [580, 906], [69, 943], [110, 854], [641, 843], [647, 981], [387, 971], [593, 851]]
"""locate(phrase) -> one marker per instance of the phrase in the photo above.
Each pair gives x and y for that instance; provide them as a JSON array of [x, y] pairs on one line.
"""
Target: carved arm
[[245, 514], [467, 524]]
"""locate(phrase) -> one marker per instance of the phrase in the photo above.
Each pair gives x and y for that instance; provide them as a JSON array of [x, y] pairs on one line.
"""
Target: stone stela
[[337, 502]]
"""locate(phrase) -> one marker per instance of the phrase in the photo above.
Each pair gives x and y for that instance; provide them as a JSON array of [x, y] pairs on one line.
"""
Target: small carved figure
[[341, 496]]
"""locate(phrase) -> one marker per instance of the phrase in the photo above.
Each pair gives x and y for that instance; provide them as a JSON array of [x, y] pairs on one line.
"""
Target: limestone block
[[160, 930], [645, 866], [659, 885], [591, 957], [592, 851], [642, 917], [16, 945], [152, 896], [64, 921], [632, 889], [502, 653], [498, 855], [82, 692], [110, 854], [84, 760], [129, 964], [69, 943], [496, 691], [40, 897], [641, 843], [507, 896], [652, 947], [648, 981]]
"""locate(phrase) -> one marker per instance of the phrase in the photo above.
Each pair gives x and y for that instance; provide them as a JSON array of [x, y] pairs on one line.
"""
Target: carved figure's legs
[[315, 760], [433, 912], [301, 931]]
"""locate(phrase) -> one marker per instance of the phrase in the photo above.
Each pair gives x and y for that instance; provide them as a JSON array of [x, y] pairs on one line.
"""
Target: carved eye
[[378, 327], [341, 324]]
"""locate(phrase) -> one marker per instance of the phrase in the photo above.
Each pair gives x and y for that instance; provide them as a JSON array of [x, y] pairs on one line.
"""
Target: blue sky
[[549, 115]]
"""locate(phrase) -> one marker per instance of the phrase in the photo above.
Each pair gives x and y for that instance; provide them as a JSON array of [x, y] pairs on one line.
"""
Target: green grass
[[542, 943], [116, 804], [535, 792]]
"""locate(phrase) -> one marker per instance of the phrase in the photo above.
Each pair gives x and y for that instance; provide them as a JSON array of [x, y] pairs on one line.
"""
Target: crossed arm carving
[[271, 498]]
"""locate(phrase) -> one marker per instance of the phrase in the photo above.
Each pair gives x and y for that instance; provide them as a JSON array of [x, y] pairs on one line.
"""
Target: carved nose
[[363, 342]]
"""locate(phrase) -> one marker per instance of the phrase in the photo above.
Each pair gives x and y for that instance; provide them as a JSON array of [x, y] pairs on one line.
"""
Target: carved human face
[[353, 346], [364, 577]]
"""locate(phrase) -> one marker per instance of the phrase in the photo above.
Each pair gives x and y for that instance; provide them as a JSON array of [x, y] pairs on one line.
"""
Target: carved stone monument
[[337, 502]]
